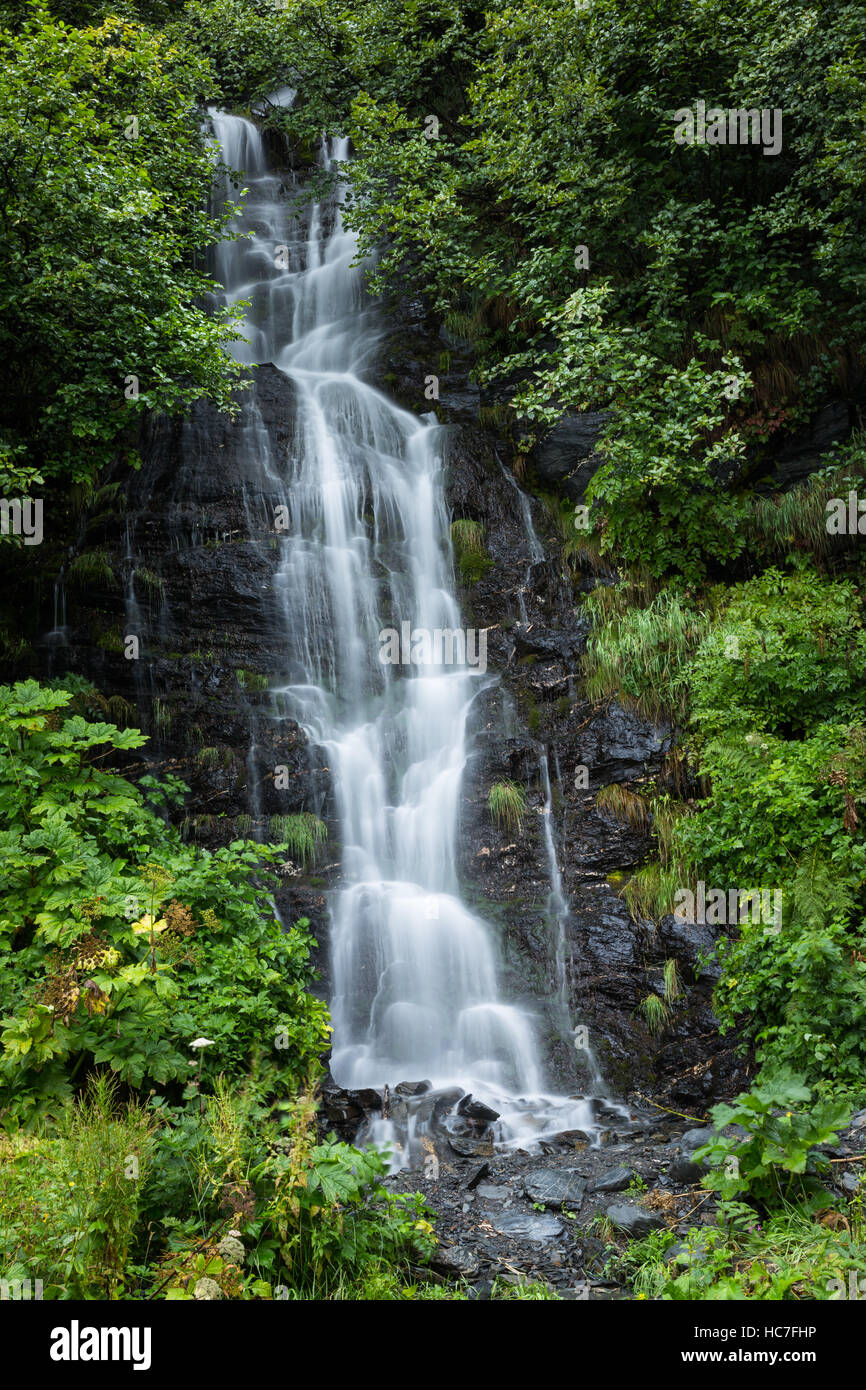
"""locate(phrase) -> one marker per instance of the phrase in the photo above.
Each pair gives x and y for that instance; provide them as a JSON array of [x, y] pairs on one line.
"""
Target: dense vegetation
[[515, 165]]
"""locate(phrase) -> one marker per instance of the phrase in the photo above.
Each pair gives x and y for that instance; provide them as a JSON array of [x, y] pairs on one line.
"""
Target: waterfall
[[366, 549]]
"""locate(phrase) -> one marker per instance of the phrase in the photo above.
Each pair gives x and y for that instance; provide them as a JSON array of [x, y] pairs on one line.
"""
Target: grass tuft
[[302, 833], [506, 803]]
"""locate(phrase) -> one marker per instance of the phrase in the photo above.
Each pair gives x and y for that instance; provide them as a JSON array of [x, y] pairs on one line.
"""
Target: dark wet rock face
[[566, 460]]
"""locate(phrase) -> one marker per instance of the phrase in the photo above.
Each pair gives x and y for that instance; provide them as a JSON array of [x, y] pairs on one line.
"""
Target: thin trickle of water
[[558, 908], [416, 993]]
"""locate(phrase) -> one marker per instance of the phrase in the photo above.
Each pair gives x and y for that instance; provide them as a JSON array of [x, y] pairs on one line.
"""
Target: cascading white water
[[415, 987]]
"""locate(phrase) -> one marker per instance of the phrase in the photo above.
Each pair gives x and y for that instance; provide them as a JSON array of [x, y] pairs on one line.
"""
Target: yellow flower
[[148, 925]]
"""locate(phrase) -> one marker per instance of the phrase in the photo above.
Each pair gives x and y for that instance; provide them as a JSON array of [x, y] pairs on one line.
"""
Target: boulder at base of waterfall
[[471, 1148], [476, 1110], [444, 1100], [412, 1088], [635, 1221], [574, 1137], [614, 1180], [555, 1187]]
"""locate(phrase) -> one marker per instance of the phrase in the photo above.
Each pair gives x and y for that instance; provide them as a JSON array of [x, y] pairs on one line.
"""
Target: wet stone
[[695, 1138], [555, 1187], [573, 1137], [634, 1220], [528, 1225], [476, 1110], [471, 1148], [684, 1172], [478, 1176], [614, 1180], [455, 1259]]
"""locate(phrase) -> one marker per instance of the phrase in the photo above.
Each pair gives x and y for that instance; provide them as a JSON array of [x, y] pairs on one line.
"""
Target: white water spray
[[416, 992]]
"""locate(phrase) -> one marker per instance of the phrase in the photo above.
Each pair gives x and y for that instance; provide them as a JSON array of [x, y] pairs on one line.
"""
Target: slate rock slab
[[614, 1180], [555, 1187], [527, 1225], [634, 1220]]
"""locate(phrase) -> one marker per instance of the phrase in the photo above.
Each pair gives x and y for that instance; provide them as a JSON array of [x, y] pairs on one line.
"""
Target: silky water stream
[[365, 547]]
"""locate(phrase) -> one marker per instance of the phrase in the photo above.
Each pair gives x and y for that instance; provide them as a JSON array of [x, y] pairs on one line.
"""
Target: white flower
[[202, 1042]]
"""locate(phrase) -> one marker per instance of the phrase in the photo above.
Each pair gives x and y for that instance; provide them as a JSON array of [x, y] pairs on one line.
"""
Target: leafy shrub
[[788, 652], [119, 944], [778, 1158]]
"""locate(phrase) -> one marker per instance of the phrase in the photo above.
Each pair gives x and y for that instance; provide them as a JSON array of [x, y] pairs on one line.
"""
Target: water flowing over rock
[[364, 547]]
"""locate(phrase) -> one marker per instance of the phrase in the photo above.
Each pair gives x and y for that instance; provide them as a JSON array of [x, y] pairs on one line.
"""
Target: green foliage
[[247, 45], [640, 656], [467, 538], [101, 222], [777, 1160], [800, 996], [506, 802], [719, 298], [301, 833], [91, 567], [315, 1213], [789, 1255], [118, 944], [71, 1202], [788, 652]]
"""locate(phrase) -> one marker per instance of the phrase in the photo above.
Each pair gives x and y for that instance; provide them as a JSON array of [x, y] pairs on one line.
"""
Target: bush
[[119, 944]]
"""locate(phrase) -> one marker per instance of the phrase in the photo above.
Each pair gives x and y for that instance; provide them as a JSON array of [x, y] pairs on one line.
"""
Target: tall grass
[[506, 803], [641, 656], [302, 833], [470, 552], [655, 1014], [649, 893], [797, 520], [623, 804], [71, 1201]]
